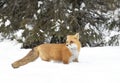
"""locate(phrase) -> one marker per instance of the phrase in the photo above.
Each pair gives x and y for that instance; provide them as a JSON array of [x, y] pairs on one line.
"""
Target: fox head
[[72, 42]]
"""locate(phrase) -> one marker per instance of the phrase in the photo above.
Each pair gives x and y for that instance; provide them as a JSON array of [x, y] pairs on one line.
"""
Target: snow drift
[[96, 65]]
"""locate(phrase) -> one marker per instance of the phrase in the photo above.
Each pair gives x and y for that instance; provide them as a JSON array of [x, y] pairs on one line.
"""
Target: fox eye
[[71, 41]]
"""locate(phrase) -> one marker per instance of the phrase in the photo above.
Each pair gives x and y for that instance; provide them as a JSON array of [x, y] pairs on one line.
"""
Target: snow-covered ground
[[96, 65]]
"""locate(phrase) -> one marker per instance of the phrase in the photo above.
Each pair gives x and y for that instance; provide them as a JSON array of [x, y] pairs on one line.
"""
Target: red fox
[[65, 53]]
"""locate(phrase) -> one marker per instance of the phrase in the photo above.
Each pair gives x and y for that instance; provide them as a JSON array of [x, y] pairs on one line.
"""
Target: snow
[[68, 27], [19, 33], [96, 65], [88, 26], [40, 3], [7, 23], [76, 9], [35, 16], [29, 26], [112, 15], [38, 11], [82, 6]]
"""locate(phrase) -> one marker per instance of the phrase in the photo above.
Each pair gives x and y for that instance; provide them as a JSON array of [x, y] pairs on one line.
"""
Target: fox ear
[[77, 36]]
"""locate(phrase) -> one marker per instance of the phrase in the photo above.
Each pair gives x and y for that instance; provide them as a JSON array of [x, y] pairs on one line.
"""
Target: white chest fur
[[74, 56], [75, 53]]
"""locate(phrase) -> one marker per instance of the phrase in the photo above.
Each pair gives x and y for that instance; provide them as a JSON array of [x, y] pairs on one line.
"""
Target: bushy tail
[[31, 56]]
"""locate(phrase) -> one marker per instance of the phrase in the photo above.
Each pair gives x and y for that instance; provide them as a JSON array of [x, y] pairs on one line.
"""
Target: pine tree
[[50, 21]]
